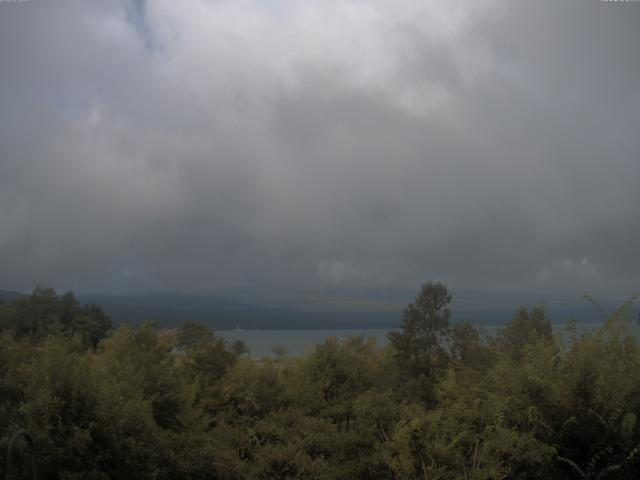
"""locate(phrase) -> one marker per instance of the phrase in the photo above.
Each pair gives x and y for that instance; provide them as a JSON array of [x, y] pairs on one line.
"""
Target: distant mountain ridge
[[171, 309], [8, 295]]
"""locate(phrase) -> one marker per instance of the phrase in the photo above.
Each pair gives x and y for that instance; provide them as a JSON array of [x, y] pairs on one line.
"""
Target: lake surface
[[298, 342], [302, 342]]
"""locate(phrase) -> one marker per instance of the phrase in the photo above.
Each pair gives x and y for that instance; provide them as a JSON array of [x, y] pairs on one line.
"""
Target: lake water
[[301, 342], [298, 342]]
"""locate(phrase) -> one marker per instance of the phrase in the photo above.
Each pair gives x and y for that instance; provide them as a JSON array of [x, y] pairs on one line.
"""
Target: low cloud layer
[[215, 145]]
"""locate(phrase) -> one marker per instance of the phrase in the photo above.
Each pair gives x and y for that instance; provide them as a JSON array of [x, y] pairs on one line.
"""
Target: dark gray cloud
[[205, 146]]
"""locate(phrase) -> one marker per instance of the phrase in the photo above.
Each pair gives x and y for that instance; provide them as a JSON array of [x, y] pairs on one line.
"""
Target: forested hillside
[[442, 401]]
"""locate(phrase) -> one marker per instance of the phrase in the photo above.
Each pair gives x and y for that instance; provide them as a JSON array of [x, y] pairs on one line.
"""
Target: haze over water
[[302, 342]]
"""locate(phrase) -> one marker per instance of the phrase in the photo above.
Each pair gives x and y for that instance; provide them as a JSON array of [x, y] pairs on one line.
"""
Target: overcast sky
[[212, 145]]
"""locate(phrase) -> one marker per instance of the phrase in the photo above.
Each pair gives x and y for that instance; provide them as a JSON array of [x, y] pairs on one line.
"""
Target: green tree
[[279, 351], [239, 348], [192, 335], [45, 312], [470, 347], [420, 343], [527, 326]]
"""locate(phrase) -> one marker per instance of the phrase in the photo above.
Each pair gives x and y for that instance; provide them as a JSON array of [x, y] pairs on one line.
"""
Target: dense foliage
[[442, 401]]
